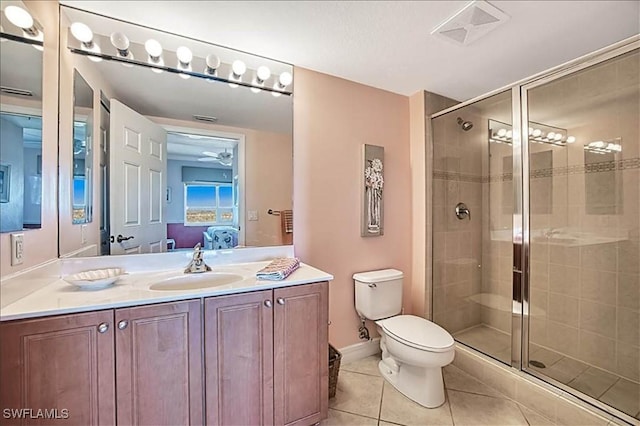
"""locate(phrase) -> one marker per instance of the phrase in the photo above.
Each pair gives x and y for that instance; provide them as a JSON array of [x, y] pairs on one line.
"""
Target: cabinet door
[[301, 354], [239, 359], [159, 364], [61, 364]]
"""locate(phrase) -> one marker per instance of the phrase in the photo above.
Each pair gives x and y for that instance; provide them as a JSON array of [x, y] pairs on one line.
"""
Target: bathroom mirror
[[82, 151], [603, 178], [20, 123], [197, 140]]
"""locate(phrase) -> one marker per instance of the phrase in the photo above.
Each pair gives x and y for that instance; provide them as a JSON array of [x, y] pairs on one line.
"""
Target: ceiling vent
[[14, 91], [472, 22], [205, 118]]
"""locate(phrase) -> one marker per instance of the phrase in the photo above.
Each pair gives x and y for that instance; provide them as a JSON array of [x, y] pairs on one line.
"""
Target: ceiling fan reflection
[[225, 158]]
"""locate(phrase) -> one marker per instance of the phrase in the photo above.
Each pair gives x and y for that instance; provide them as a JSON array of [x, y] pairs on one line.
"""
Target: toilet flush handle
[[372, 285]]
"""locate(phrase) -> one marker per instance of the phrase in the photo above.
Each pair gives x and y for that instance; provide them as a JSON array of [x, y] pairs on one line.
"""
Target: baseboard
[[360, 350]]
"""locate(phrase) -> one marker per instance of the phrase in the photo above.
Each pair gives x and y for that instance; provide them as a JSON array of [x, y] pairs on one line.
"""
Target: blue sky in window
[[226, 196], [78, 191], [201, 196]]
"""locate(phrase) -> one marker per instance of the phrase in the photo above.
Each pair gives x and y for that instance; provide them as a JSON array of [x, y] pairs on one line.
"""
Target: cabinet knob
[[103, 327], [123, 324], [280, 301], [267, 303]]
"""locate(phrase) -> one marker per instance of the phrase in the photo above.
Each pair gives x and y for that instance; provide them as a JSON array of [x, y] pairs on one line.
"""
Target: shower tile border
[[604, 166]]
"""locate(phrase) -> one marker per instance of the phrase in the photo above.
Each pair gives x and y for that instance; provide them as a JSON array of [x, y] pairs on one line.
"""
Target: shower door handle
[[462, 212]]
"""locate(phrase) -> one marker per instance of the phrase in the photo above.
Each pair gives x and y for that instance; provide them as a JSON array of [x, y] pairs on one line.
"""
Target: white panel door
[[138, 182]]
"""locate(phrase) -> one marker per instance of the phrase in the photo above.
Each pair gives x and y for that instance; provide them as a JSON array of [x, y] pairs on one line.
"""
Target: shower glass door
[[472, 279], [536, 227], [584, 233]]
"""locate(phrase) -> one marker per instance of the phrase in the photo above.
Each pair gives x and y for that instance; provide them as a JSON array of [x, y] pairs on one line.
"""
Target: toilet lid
[[418, 332]]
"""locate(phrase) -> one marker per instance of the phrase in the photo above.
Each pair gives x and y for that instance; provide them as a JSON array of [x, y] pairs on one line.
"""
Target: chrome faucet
[[197, 264]]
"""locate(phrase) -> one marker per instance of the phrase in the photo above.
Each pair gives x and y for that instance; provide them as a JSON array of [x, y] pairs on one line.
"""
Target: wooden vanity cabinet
[[151, 354], [159, 364], [265, 362], [63, 363], [266, 357]]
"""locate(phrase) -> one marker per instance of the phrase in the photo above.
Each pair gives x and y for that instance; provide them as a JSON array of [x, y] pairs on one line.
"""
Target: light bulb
[[536, 132], [153, 48], [119, 41], [530, 130], [263, 73], [276, 94], [598, 144], [285, 79], [184, 55], [502, 132], [558, 136], [551, 135], [571, 139], [239, 68], [19, 17], [213, 62], [82, 32], [509, 133], [255, 90]]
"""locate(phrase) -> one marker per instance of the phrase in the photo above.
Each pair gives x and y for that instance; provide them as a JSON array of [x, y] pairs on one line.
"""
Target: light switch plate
[[83, 232], [17, 249], [252, 214]]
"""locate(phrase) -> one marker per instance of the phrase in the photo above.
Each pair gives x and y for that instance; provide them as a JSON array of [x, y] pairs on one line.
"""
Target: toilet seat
[[417, 333]]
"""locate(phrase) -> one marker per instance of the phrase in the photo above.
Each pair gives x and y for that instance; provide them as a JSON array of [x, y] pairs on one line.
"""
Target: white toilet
[[414, 350]]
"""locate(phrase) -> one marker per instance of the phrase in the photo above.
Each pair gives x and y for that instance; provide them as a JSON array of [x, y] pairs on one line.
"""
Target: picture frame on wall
[[372, 220], [5, 182]]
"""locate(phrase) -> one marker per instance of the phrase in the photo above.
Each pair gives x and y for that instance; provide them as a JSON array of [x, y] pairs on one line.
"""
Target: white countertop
[[60, 297]]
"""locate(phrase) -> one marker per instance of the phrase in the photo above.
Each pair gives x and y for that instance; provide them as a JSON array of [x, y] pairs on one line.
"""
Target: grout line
[[523, 415], [352, 413], [380, 406], [608, 389], [446, 391]]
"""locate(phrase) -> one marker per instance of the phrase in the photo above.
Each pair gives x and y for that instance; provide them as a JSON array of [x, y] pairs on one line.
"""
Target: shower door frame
[[521, 192]]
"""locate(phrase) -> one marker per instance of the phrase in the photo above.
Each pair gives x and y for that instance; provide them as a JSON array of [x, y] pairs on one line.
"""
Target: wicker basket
[[334, 368]]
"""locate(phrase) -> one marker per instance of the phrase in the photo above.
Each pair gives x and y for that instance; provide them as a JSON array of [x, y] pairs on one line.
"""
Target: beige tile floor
[[597, 383], [364, 398]]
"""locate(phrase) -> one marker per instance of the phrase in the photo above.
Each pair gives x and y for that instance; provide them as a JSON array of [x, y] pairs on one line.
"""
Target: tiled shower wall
[[457, 244]]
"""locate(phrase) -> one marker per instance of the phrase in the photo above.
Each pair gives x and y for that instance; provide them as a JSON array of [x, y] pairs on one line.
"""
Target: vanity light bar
[[234, 74], [15, 91], [542, 133]]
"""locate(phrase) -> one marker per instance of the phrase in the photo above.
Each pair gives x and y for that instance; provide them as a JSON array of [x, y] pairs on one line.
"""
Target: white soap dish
[[95, 279]]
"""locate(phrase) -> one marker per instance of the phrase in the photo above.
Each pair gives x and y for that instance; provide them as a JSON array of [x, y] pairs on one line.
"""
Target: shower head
[[466, 125]]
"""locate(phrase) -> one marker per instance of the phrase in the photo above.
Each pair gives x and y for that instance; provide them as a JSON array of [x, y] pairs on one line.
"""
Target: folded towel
[[279, 269]]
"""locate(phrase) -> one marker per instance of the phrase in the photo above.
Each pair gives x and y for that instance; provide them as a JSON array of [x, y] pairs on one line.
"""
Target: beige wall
[[41, 244], [333, 118]]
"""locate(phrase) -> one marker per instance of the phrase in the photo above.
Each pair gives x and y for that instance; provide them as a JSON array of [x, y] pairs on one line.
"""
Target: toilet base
[[422, 385]]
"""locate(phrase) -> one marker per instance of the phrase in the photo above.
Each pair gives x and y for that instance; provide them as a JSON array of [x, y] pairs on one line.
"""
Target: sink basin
[[196, 281]]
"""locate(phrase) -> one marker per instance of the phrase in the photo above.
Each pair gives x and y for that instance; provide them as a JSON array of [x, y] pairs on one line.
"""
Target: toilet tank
[[378, 293]]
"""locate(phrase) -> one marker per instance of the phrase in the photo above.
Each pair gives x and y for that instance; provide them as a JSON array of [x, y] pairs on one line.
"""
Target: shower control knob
[[267, 303]]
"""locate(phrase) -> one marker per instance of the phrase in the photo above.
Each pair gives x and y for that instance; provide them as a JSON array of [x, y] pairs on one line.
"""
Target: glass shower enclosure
[[536, 227]]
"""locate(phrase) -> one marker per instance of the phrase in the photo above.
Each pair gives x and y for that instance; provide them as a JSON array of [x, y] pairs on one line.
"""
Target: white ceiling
[[387, 44]]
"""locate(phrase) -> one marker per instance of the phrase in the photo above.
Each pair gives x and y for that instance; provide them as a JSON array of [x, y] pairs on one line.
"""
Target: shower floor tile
[[606, 386]]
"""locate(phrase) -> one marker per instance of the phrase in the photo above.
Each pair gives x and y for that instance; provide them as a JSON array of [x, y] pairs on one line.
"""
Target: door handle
[[120, 238]]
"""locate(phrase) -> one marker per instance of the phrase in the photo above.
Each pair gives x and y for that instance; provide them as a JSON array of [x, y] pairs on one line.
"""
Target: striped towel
[[279, 269]]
